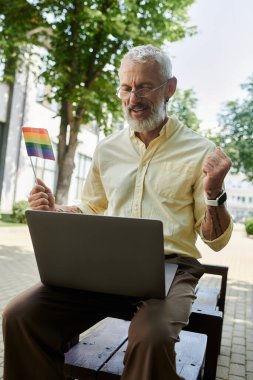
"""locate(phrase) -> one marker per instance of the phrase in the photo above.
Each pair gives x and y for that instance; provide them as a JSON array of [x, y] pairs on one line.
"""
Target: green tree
[[17, 21], [183, 104], [84, 47], [235, 131]]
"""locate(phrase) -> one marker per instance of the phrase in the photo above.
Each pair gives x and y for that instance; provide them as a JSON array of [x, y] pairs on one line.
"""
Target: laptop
[[115, 255]]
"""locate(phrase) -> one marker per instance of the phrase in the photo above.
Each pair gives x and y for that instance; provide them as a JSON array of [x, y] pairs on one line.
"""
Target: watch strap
[[218, 201]]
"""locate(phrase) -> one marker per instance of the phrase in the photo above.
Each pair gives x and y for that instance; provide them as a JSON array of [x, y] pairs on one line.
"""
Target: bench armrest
[[222, 271]]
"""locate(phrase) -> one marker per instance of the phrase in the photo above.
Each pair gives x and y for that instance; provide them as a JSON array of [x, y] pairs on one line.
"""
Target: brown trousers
[[38, 323]]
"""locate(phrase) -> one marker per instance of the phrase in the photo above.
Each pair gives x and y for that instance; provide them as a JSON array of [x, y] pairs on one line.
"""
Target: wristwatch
[[218, 201]]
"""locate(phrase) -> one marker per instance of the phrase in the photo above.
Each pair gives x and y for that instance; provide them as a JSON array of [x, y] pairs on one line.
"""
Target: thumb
[[41, 183]]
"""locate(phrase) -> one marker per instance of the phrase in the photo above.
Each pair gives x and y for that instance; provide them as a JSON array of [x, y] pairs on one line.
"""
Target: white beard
[[158, 115]]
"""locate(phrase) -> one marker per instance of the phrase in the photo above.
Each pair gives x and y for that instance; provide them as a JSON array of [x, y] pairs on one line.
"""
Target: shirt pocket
[[174, 180]]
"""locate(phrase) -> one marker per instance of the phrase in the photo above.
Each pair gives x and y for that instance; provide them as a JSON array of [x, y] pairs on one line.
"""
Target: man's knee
[[20, 310], [152, 339], [153, 324], [153, 332], [150, 342], [14, 312]]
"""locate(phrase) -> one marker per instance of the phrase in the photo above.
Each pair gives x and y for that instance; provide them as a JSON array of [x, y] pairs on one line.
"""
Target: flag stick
[[33, 170]]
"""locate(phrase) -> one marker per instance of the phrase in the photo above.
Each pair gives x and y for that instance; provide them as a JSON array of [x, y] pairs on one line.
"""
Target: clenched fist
[[216, 166]]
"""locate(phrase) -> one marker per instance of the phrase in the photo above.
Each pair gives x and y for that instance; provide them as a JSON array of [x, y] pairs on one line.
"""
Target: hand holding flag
[[41, 197]]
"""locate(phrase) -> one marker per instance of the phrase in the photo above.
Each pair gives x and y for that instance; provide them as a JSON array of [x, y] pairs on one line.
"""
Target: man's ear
[[171, 88]]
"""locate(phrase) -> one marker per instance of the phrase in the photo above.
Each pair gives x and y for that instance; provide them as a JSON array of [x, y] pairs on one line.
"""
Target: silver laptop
[[115, 255]]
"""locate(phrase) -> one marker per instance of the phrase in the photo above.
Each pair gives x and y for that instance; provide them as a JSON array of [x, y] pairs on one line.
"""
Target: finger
[[216, 159], [37, 189], [51, 199], [209, 166], [40, 205], [219, 153], [41, 208], [219, 160], [41, 183], [37, 196]]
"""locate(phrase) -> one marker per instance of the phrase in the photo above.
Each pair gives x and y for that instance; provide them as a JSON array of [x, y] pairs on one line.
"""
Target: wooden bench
[[99, 356], [206, 318]]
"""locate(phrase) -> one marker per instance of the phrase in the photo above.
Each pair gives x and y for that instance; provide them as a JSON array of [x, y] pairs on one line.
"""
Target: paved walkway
[[18, 271]]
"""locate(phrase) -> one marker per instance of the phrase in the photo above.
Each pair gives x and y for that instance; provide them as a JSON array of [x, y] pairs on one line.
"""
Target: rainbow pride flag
[[38, 143]]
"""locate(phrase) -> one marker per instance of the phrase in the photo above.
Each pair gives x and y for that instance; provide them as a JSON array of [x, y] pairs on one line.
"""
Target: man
[[156, 168]]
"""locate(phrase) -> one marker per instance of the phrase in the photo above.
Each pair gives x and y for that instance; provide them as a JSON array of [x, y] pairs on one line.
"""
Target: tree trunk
[[67, 150], [66, 168]]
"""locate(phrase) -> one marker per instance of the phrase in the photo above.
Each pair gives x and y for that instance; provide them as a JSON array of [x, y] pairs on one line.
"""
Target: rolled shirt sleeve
[[221, 241], [94, 200]]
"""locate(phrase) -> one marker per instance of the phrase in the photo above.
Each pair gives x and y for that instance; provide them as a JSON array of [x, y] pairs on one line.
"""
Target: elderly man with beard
[[155, 168]]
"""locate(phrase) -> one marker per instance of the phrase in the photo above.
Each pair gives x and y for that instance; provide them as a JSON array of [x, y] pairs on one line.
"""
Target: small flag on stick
[[38, 143]]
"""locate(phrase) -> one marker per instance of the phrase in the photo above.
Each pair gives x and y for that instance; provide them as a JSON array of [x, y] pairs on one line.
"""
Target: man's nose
[[133, 98]]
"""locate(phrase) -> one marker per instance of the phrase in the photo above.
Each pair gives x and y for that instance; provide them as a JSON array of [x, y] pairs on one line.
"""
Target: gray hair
[[145, 53]]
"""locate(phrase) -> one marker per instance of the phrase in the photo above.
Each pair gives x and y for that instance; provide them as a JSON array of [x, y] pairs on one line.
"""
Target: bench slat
[[184, 348], [98, 347], [94, 360], [190, 372], [114, 368], [190, 360], [207, 298]]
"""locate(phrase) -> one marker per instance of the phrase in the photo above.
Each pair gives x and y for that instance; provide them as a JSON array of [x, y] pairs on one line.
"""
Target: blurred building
[[21, 105], [240, 197]]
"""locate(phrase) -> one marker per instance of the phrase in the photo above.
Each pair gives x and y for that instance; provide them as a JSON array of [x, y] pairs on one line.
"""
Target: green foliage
[[183, 104], [249, 226], [236, 131], [18, 213], [17, 19], [84, 42], [87, 41], [6, 218]]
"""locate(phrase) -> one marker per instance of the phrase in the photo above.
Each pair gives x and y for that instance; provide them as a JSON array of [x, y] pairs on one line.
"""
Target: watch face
[[222, 198]]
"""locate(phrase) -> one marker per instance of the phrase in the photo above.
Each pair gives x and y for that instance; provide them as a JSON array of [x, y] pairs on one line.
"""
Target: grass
[[10, 224]]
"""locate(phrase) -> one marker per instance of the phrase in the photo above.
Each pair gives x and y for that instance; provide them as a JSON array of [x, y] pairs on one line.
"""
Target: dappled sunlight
[[237, 287], [18, 237], [237, 255]]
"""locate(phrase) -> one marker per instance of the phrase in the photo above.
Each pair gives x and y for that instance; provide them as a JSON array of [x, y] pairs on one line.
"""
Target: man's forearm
[[215, 222]]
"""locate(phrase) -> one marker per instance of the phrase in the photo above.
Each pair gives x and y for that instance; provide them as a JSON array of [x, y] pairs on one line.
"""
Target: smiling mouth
[[137, 109]]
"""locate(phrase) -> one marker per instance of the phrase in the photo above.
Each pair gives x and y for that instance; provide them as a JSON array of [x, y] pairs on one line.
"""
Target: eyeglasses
[[142, 93]]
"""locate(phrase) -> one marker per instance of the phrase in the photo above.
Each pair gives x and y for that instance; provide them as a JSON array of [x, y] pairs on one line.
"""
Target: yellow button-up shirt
[[162, 181]]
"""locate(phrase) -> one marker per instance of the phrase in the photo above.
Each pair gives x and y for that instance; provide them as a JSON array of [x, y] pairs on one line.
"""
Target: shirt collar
[[172, 125]]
